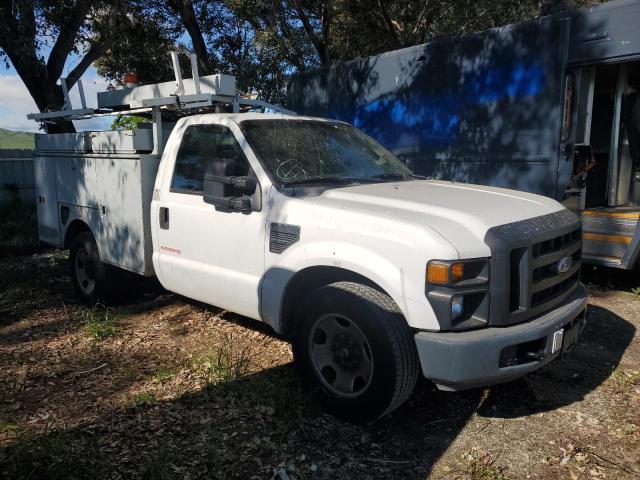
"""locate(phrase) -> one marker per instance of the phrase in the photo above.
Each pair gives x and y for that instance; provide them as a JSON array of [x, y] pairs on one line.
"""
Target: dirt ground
[[161, 387]]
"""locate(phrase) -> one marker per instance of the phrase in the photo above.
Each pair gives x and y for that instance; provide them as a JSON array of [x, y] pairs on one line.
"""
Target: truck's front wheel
[[88, 273], [351, 341]]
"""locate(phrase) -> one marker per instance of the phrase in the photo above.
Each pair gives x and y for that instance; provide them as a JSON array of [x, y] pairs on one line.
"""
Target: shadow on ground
[[265, 421]]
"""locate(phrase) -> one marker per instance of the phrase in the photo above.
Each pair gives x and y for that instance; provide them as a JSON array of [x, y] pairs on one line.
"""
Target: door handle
[[164, 218]]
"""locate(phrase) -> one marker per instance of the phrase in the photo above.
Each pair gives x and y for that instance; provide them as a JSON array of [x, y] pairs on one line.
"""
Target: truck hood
[[461, 213]]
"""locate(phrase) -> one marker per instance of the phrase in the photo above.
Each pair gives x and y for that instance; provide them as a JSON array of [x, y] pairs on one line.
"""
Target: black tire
[[388, 349], [88, 274]]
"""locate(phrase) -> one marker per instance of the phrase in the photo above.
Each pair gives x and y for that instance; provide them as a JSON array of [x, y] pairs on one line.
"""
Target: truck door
[[211, 255]]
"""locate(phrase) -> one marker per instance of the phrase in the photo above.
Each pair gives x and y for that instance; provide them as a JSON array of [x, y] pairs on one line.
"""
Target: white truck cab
[[376, 275]]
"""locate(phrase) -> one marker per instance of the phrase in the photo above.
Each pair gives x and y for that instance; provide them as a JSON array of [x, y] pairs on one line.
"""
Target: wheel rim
[[85, 272], [341, 355]]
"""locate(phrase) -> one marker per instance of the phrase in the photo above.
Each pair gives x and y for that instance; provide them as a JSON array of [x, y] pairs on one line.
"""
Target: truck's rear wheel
[[88, 273], [351, 341]]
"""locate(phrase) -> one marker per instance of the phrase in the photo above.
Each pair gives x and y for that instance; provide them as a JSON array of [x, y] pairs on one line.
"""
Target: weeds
[[636, 291], [144, 400], [162, 374], [129, 373], [479, 465], [229, 361], [99, 323], [624, 380]]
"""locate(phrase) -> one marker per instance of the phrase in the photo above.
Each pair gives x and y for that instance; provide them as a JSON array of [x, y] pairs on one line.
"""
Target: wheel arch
[[75, 227], [305, 281]]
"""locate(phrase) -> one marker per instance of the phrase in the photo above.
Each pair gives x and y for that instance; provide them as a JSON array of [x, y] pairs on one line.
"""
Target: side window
[[206, 148]]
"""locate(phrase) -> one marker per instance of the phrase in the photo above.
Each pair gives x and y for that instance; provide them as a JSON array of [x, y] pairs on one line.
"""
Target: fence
[[16, 176]]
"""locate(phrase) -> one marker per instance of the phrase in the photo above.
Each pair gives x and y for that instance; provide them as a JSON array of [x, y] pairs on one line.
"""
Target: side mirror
[[219, 191]]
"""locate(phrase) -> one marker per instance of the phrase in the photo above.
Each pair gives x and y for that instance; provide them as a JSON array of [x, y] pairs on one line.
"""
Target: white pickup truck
[[311, 226]]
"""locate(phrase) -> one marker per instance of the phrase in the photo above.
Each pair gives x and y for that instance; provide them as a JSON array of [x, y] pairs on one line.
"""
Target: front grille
[[555, 244], [535, 266], [547, 283], [553, 291]]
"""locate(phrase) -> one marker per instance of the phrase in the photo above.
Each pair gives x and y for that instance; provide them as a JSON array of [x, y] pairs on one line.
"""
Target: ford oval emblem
[[564, 264]]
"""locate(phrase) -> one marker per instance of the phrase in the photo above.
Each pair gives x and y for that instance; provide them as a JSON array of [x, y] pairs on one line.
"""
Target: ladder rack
[[183, 97]]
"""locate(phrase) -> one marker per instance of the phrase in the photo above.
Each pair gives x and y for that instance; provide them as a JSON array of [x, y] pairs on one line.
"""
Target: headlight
[[458, 291]]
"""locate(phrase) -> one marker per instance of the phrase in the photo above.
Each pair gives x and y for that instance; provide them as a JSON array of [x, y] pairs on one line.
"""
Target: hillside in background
[[10, 139]]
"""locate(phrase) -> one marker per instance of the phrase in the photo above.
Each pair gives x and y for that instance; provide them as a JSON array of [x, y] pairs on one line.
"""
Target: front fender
[[403, 283]]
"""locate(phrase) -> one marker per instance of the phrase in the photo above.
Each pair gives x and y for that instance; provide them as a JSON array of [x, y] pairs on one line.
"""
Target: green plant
[[228, 361], [625, 379], [162, 374], [99, 323], [144, 400], [636, 291], [128, 122], [480, 465]]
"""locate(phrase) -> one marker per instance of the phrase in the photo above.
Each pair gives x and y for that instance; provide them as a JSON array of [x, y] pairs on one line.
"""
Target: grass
[[227, 362], [21, 140], [479, 465], [162, 374], [18, 228], [144, 400], [99, 323], [636, 291]]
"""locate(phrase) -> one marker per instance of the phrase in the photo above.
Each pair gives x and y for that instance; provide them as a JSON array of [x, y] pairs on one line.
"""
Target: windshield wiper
[[398, 176], [326, 181]]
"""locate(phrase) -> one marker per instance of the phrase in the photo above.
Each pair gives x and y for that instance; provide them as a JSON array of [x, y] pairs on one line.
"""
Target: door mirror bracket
[[240, 204], [222, 192]]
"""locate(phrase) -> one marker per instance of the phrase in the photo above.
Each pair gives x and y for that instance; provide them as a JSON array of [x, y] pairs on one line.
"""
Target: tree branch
[[389, 23], [97, 48], [319, 45], [67, 38], [184, 8], [95, 51]]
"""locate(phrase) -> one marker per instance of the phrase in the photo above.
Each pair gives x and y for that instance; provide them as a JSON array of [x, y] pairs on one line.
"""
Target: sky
[[16, 103]]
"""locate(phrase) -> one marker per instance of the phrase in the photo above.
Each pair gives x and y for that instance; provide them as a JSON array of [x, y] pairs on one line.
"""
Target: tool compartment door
[[46, 200]]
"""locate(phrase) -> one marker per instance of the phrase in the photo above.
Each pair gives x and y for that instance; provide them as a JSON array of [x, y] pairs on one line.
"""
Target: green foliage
[[144, 400], [128, 122], [142, 47], [162, 374], [10, 139], [636, 291], [227, 362], [99, 323]]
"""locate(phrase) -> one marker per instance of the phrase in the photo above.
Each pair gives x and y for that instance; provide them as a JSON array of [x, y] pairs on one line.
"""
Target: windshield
[[310, 151]]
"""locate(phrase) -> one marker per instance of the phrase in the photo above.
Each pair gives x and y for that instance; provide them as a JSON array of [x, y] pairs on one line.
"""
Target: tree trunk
[[45, 92], [184, 8]]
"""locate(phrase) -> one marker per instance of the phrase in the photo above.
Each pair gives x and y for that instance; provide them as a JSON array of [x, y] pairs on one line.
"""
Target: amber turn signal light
[[443, 273], [457, 272], [438, 273]]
